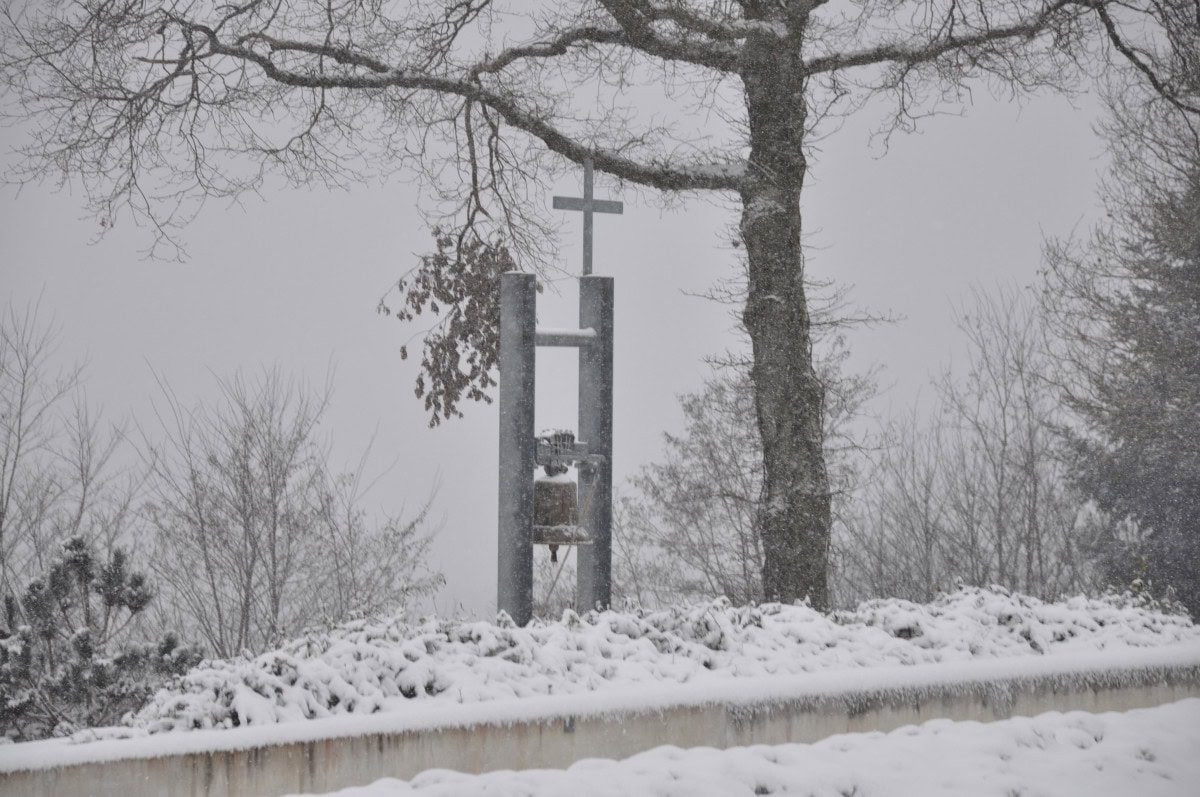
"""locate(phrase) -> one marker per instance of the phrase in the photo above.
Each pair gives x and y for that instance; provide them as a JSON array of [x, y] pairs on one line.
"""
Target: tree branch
[[663, 175], [559, 45], [1124, 49], [909, 55], [635, 18], [731, 29]]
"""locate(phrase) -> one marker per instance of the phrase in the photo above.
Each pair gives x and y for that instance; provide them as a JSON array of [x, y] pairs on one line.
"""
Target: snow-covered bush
[[371, 666], [60, 665]]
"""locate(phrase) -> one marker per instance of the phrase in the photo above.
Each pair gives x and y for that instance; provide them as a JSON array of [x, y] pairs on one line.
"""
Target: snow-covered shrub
[[371, 666]]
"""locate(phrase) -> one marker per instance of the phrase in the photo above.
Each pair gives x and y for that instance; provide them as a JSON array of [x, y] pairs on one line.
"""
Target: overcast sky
[[293, 279]]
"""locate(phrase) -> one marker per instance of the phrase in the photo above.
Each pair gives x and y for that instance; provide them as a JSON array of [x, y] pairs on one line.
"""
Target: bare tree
[[254, 536], [368, 565], [1008, 479], [896, 531], [978, 491], [697, 509], [59, 478], [688, 527], [156, 106]]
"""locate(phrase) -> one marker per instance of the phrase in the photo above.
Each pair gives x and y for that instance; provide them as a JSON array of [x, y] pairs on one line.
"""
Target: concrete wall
[[556, 739]]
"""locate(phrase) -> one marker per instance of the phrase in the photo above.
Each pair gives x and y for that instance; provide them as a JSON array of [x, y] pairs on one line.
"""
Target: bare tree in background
[[254, 536], [687, 526], [695, 512], [1008, 484], [368, 565], [978, 491], [896, 532], [156, 106], [59, 479]]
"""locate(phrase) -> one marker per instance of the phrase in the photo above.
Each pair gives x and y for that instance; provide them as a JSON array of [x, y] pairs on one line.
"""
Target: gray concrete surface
[[558, 740]]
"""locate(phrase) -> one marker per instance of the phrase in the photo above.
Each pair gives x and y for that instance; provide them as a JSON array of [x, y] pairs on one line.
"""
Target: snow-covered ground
[[1148, 752], [372, 667]]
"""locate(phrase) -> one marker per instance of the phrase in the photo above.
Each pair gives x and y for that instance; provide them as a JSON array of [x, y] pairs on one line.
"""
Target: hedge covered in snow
[[368, 666]]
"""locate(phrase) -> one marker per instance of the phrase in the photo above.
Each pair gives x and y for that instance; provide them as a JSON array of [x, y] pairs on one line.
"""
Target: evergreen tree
[[60, 665], [1129, 308]]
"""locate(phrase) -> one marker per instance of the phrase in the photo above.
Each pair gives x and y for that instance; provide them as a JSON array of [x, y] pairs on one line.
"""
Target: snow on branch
[[637, 20], [729, 29], [559, 45]]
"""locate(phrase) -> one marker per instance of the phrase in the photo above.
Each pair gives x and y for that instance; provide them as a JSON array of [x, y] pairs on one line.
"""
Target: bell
[[555, 513], [554, 501]]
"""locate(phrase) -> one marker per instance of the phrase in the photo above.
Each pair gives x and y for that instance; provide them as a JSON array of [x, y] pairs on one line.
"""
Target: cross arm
[[594, 205]]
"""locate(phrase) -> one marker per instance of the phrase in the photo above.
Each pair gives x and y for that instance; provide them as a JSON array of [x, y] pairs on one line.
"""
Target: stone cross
[[588, 205]]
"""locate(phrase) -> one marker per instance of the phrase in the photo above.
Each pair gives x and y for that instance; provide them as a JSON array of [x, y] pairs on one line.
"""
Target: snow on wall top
[[1147, 752], [369, 667]]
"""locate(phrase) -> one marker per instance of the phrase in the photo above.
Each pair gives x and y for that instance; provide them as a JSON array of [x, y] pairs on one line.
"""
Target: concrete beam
[[594, 585], [468, 741], [514, 560]]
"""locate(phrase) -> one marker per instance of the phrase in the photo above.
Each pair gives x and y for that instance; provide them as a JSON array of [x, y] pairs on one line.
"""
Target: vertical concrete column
[[596, 429], [514, 583]]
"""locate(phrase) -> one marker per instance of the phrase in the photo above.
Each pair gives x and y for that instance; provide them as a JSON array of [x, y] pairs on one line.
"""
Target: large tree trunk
[[795, 516]]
